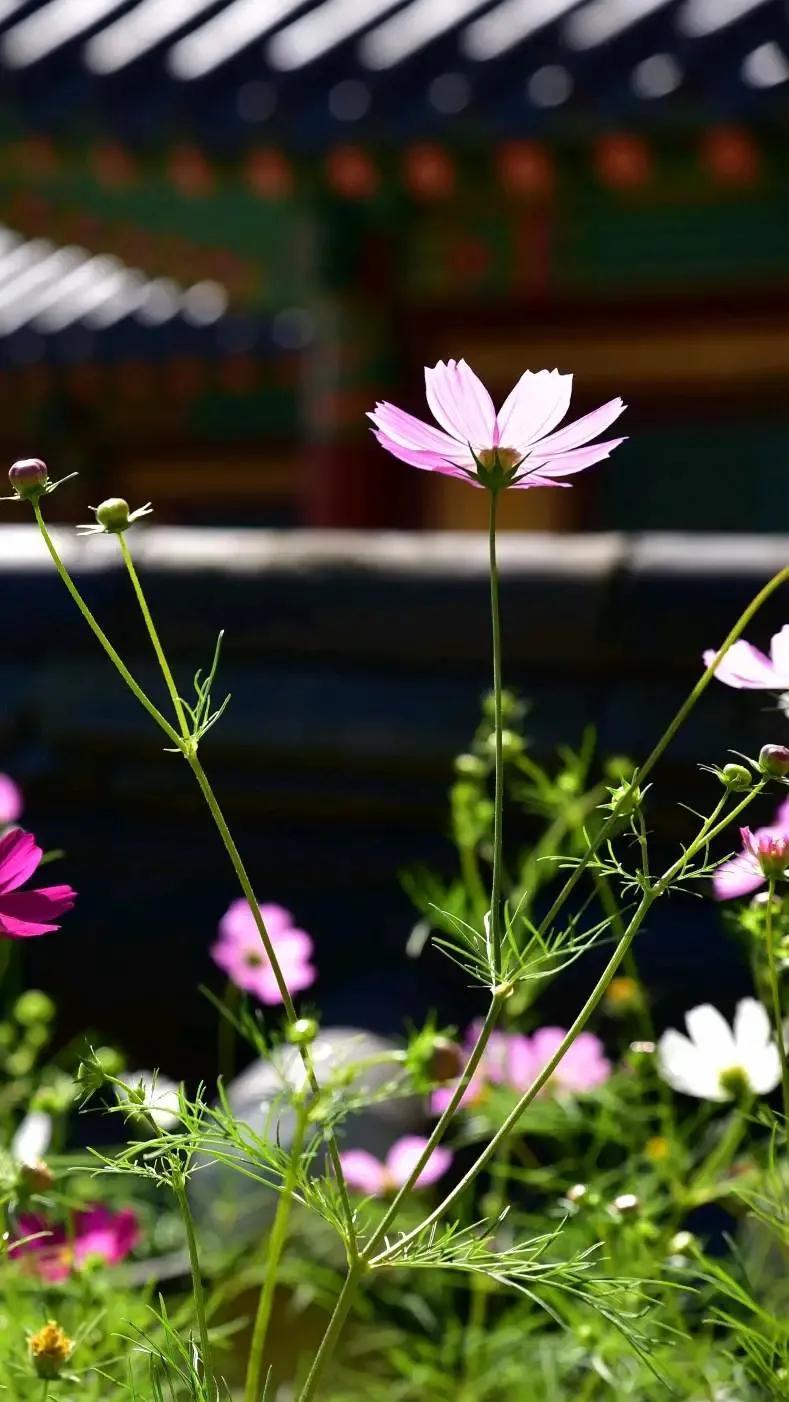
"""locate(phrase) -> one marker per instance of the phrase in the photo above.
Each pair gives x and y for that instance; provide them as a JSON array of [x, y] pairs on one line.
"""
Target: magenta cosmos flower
[[748, 668], [514, 1060], [516, 447], [53, 1252], [26, 913], [10, 801], [240, 953], [369, 1175], [765, 854]]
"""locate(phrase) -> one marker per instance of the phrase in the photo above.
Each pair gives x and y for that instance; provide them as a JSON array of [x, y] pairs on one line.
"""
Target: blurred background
[[228, 227]]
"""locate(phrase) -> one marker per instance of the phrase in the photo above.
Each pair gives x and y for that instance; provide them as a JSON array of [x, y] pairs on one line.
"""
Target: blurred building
[[231, 225]]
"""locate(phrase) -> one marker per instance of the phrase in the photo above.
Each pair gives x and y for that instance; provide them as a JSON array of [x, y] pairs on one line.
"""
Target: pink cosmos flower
[[517, 446], [26, 913], [369, 1175], [513, 1060], [11, 802], [765, 853], [240, 953], [748, 668], [96, 1232]]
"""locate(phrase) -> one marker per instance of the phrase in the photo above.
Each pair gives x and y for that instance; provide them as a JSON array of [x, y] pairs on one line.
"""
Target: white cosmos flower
[[716, 1061], [161, 1096], [31, 1141]]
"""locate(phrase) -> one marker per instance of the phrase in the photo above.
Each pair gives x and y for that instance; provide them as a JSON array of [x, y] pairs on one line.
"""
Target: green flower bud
[[471, 767], [302, 1032], [736, 776], [113, 515], [625, 799], [774, 760], [32, 1007]]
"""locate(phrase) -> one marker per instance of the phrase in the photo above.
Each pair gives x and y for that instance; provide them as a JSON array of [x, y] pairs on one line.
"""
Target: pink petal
[[737, 877], [428, 462], [581, 431], [745, 667], [10, 800], [565, 464], [413, 433], [238, 923], [19, 857], [522, 1069], [584, 1064], [779, 652], [27, 913], [460, 403], [363, 1172], [537, 404], [405, 1155]]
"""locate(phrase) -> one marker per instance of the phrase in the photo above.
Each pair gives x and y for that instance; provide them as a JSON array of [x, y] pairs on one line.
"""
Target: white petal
[[763, 1069], [713, 1036], [752, 1030], [684, 1067], [31, 1140]]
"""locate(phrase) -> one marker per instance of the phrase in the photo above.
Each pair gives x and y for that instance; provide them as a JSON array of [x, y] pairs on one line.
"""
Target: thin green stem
[[341, 1310], [99, 633], [277, 1239], [179, 1188], [166, 671], [720, 1156], [709, 829], [498, 797], [441, 1125], [775, 992]]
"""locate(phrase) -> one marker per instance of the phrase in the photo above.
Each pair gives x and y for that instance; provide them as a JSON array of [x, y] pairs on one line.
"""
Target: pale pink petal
[[522, 1068], [428, 462], [11, 801], [440, 1098], [405, 1155], [745, 667], [582, 430], [737, 877], [779, 652], [460, 403], [19, 857], [565, 464], [24, 914], [415, 434], [583, 1065], [363, 1172], [537, 404]]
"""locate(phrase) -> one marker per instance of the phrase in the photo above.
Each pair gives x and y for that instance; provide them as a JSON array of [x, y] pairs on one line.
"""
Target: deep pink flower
[[11, 802], [765, 853], [96, 1232], [26, 913], [748, 668], [519, 441], [240, 953], [369, 1175]]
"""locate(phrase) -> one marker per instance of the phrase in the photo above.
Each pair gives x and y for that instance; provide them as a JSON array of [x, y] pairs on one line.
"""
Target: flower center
[[253, 959], [734, 1082], [496, 466]]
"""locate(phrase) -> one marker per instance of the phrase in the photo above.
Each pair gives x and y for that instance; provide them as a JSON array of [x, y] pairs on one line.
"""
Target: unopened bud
[[32, 1007], [36, 1177], [774, 760], [471, 766], [737, 777], [625, 799], [682, 1242], [29, 478], [302, 1032], [577, 1193], [446, 1061], [113, 515], [50, 1350], [626, 1204]]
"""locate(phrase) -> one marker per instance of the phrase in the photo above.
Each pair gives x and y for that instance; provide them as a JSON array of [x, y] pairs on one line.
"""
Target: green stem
[[442, 1124], [178, 706], [99, 633], [279, 1232], [709, 829], [341, 1310], [498, 798], [775, 991], [179, 1188], [719, 1157]]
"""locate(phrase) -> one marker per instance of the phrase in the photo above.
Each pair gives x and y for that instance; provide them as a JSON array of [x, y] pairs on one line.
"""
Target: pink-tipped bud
[[774, 760], [771, 853], [29, 478]]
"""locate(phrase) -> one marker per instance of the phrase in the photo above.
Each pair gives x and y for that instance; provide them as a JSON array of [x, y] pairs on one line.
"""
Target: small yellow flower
[[657, 1148], [50, 1349], [623, 995]]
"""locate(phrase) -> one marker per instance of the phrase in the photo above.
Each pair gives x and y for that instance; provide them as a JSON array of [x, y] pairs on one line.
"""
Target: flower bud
[[577, 1193], [626, 1204], [623, 995], [33, 1006], [446, 1061], [36, 1177], [113, 515], [736, 777], [471, 766], [682, 1242], [774, 760], [625, 799], [50, 1350], [302, 1032], [29, 478]]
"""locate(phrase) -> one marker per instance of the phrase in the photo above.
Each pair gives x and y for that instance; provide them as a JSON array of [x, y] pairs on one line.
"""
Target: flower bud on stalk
[[29, 478], [50, 1349], [736, 777], [302, 1032], [113, 517], [774, 760]]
